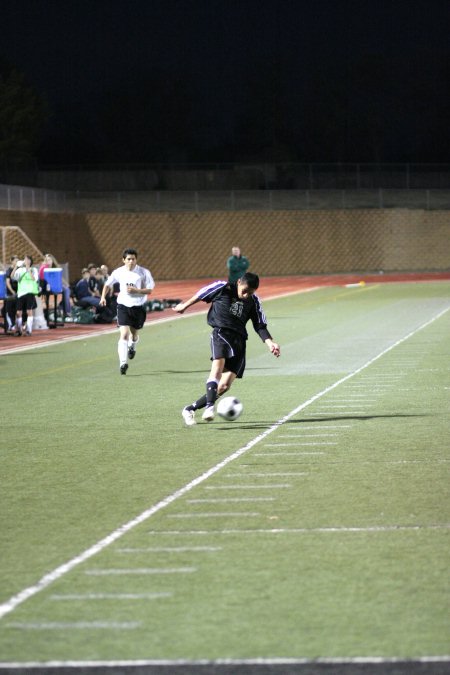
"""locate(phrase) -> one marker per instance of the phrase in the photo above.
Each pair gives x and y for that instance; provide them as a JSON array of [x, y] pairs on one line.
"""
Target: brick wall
[[192, 245]]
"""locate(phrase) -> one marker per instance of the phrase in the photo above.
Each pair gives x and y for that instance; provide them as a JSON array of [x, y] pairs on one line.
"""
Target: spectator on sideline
[[27, 278], [93, 281], [82, 291], [49, 261], [10, 303], [237, 264]]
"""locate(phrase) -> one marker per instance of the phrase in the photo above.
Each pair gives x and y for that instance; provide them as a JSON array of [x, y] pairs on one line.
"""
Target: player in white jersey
[[136, 283]]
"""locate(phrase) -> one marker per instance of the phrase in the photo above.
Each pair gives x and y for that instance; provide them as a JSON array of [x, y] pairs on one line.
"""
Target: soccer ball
[[229, 408], [20, 263]]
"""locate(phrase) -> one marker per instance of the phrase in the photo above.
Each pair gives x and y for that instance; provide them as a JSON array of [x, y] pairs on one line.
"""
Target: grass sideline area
[[315, 526]]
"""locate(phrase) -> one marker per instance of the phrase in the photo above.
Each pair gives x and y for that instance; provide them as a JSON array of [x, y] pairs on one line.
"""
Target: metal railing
[[17, 198], [232, 176]]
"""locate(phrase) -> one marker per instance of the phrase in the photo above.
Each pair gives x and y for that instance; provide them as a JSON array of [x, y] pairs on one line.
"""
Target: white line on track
[[49, 578]]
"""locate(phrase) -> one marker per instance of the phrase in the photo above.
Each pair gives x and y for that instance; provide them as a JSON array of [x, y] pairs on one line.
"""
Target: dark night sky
[[175, 80]]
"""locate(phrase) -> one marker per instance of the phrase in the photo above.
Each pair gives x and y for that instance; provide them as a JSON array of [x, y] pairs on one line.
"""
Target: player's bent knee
[[222, 388]]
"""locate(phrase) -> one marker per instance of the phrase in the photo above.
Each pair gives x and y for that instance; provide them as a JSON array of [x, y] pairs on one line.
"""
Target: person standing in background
[[27, 278], [237, 264]]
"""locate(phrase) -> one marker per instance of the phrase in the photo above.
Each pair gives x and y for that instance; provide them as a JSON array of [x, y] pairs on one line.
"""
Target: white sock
[[132, 343], [122, 350], [19, 323], [30, 324]]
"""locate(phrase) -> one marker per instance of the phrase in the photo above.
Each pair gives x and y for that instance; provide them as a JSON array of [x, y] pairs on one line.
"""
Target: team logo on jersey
[[236, 308]]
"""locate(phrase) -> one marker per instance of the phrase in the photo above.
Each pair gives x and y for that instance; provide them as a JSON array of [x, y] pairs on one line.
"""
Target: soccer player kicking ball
[[232, 305], [136, 283]]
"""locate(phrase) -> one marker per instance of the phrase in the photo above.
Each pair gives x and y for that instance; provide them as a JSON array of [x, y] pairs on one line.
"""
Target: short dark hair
[[252, 280], [129, 251]]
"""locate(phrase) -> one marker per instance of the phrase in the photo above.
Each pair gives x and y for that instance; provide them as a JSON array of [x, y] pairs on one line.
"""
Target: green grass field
[[316, 525]]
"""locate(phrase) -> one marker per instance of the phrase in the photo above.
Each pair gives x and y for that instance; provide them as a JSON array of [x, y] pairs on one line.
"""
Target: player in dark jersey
[[232, 306]]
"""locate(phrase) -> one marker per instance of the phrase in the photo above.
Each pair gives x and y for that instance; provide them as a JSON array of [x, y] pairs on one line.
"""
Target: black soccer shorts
[[131, 316], [228, 345]]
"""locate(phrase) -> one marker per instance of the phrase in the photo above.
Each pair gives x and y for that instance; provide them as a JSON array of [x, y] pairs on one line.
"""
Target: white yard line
[[225, 500], [140, 571], [16, 600], [297, 445], [170, 549], [311, 530], [109, 596], [218, 514], [77, 625]]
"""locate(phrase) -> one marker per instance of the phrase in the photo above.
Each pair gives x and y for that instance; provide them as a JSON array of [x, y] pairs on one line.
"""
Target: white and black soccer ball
[[229, 408], [20, 263]]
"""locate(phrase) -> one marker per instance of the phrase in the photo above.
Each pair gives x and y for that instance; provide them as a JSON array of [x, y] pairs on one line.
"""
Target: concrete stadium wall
[[278, 243]]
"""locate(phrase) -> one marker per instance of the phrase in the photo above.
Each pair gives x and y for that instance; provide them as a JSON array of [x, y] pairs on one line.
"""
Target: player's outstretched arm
[[182, 306], [273, 346]]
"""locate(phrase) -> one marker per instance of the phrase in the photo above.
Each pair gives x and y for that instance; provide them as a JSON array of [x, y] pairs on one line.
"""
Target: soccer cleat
[[208, 415], [131, 352], [123, 368], [189, 417]]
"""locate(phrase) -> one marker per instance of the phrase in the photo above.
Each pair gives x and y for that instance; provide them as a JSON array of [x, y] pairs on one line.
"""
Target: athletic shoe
[[208, 415], [131, 352], [189, 417], [124, 368]]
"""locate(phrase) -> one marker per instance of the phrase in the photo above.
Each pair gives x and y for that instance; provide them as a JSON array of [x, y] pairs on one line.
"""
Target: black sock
[[211, 392], [200, 403]]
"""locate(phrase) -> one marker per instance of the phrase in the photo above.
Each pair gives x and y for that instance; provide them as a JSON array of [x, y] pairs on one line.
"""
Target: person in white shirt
[[135, 283]]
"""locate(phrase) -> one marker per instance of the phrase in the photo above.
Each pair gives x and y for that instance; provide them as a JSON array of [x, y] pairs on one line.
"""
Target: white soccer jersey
[[140, 277]]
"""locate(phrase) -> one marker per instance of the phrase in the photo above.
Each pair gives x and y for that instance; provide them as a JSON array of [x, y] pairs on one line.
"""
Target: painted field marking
[[140, 571], [45, 581], [297, 445], [110, 596], [334, 406], [249, 487], [286, 454], [266, 474], [300, 435], [256, 661], [326, 426], [171, 549], [344, 412], [219, 514], [312, 530], [77, 625], [226, 500]]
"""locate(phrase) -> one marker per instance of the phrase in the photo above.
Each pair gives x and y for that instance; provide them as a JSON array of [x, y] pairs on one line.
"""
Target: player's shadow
[[163, 372]]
